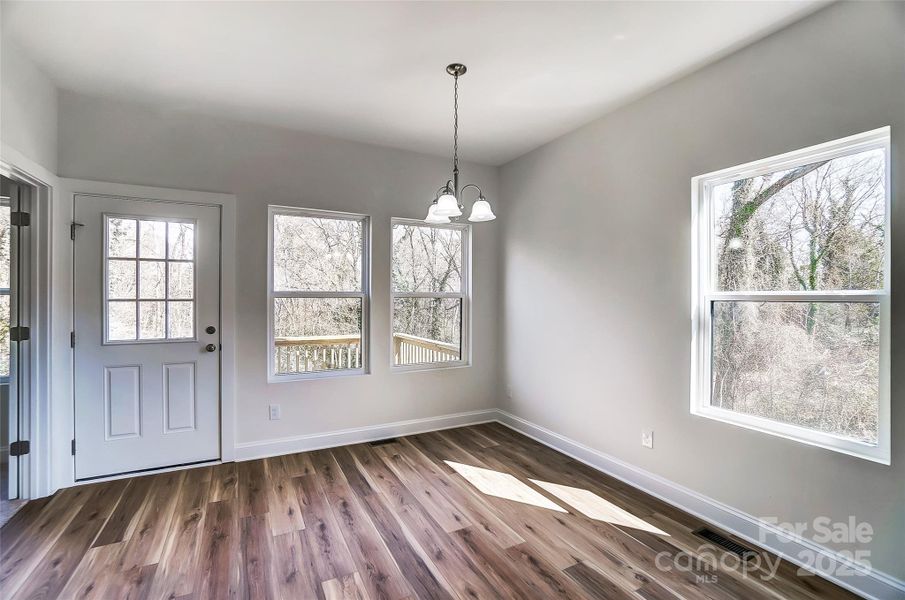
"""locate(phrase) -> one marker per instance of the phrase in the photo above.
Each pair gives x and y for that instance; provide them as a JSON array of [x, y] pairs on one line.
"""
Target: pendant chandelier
[[447, 206]]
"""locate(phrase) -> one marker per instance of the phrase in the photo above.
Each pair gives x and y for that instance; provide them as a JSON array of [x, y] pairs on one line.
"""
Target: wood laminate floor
[[475, 512]]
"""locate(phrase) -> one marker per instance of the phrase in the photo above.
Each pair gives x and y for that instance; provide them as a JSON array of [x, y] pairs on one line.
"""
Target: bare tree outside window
[[429, 294], [317, 295], [798, 259], [150, 279]]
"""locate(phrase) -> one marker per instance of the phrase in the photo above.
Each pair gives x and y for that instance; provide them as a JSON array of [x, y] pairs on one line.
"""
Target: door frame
[[35, 467], [227, 206]]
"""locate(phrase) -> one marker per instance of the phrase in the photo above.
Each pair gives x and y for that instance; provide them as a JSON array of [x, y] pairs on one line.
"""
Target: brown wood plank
[[13, 529], [252, 488], [256, 554], [349, 587], [463, 495], [424, 580], [94, 573], [19, 560], [218, 572], [282, 500], [446, 514], [457, 568], [55, 569], [497, 565], [289, 568], [224, 482], [145, 545], [178, 564], [326, 548], [596, 584], [297, 465], [379, 572], [387, 522], [118, 526]]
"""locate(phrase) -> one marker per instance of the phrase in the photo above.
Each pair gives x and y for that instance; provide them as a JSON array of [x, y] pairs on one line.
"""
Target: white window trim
[[702, 296], [464, 294], [364, 294]]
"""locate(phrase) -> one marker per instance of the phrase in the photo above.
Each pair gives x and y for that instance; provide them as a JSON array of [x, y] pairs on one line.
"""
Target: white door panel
[[147, 373]]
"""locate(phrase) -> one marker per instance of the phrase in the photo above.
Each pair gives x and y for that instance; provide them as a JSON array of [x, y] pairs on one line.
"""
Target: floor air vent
[[725, 543], [383, 442]]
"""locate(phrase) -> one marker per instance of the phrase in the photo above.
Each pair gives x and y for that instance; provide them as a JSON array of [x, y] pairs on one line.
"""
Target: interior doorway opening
[[15, 220]]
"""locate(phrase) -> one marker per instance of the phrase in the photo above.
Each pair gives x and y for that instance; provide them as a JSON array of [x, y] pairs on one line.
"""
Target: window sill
[[878, 454], [313, 376], [428, 367]]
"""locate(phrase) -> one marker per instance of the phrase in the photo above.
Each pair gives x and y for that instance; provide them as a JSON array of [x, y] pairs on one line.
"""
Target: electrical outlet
[[509, 392], [275, 413], [647, 438]]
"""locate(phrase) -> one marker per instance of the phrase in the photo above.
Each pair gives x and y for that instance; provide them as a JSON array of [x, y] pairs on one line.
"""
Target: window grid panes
[[792, 311], [149, 279], [429, 294], [318, 293]]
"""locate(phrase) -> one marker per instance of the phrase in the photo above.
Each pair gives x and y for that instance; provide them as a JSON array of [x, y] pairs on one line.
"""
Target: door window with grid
[[149, 279]]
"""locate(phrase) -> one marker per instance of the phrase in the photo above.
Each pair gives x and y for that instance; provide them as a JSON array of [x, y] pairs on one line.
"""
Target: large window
[[791, 295], [430, 294], [318, 299]]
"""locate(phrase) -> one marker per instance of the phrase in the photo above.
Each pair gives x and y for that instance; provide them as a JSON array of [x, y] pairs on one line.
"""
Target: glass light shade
[[433, 217], [447, 206], [481, 211]]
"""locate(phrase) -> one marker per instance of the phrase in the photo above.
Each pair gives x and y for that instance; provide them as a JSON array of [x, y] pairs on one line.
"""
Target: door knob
[[211, 348], [210, 329]]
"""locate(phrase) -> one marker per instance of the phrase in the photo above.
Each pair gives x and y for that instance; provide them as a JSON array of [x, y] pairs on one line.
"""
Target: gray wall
[[28, 107], [110, 141], [597, 330]]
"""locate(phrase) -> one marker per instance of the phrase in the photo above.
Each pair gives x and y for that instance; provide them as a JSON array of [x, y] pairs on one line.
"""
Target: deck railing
[[317, 353], [410, 349], [324, 353]]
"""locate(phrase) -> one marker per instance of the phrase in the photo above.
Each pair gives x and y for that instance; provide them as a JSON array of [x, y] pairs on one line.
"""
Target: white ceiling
[[375, 71]]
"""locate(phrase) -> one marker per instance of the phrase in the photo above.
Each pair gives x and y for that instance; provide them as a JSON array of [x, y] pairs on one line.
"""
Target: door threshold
[[148, 471]]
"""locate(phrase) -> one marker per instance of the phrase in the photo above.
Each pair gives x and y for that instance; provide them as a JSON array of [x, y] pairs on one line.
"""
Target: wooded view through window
[[318, 291], [429, 293], [150, 279], [794, 293]]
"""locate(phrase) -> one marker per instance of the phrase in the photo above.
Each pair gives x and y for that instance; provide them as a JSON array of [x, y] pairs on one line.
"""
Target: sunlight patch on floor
[[594, 507], [502, 485]]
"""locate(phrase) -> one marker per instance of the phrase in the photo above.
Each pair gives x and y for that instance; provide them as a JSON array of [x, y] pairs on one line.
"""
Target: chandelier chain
[[456, 125]]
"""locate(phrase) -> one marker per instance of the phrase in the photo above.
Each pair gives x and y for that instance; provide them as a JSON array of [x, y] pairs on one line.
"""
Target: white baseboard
[[868, 583], [358, 435]]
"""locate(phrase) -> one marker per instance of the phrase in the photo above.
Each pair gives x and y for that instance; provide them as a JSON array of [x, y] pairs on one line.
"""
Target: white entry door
[[147, 334]]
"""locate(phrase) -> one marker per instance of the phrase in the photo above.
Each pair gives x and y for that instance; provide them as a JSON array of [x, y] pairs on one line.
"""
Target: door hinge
[[19, 219], [73, 447], [19, 448], [19, 334], [72, 227], [72, 339]]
